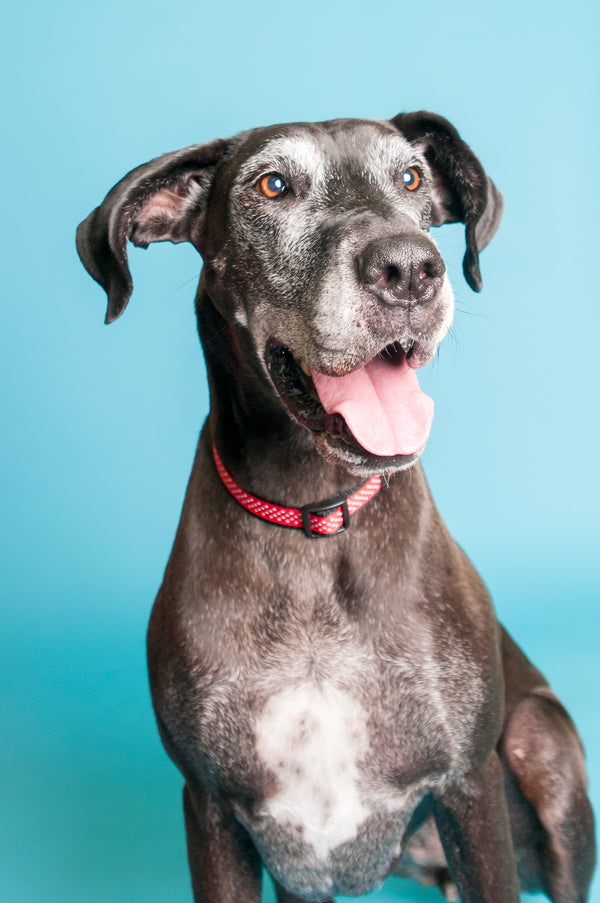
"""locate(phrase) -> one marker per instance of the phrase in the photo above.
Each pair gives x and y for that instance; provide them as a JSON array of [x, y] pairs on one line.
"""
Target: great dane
[[326, 667]]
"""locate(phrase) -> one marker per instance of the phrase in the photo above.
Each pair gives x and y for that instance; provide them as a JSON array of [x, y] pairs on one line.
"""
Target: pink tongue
[[382, 404]]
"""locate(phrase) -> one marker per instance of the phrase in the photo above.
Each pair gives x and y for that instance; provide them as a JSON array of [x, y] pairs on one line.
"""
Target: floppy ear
[[462, 192], [159, 201]]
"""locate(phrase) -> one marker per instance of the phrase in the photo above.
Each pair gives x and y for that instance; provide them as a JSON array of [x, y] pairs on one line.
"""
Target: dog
[[326, 668]]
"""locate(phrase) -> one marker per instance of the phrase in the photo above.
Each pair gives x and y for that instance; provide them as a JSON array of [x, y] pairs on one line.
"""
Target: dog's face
[[315, 240]]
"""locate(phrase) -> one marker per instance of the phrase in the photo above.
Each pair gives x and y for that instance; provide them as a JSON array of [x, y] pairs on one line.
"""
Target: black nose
[[401, 269]]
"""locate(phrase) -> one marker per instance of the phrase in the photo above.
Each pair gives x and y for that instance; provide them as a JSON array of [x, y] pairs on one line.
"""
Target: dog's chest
[[321, 732], [340, 781]]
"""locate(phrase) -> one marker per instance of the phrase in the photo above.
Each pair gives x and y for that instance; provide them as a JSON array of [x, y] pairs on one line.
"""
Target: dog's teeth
[[305, 368], [406, 345]]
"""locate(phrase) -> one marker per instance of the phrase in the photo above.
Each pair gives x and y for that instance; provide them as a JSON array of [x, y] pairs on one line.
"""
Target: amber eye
[[272, 185], [411, 179]]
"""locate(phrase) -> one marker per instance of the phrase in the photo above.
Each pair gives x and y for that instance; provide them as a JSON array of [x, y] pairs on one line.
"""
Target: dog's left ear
[[163, 200], [462, 192]]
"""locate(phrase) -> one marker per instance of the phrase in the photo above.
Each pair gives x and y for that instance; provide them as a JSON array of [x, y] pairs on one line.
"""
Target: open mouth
[[377, 409]]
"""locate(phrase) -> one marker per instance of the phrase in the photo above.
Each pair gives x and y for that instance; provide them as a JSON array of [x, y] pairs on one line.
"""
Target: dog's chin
[[330, 433], [357, 460]]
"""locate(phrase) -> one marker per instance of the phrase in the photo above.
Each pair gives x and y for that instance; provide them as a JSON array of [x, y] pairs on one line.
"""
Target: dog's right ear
[[159, 201], [462, 191]]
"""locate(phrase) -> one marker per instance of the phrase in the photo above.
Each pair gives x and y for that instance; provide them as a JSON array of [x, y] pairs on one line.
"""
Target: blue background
[[100, 424]]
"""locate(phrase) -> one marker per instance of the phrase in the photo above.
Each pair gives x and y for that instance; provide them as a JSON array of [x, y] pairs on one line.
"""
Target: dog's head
[[315, 240]]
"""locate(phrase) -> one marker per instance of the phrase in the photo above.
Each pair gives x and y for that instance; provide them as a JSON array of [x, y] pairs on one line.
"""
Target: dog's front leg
[[472, 820], [224, 864]]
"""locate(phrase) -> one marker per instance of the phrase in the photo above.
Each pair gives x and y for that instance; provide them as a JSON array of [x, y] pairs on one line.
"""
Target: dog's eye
[[272, 185], [411, 179]]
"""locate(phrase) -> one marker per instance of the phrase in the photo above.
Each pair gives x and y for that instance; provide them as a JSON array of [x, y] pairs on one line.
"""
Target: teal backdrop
[[99, 424]]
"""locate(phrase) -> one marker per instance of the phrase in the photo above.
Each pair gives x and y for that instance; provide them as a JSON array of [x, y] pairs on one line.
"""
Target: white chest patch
[[313, 737]]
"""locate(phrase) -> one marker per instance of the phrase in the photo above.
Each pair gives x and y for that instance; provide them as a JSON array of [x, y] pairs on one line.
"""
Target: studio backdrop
[[100, 423]]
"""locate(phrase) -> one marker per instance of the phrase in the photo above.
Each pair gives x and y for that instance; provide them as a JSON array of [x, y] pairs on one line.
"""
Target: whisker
[[180, 287]]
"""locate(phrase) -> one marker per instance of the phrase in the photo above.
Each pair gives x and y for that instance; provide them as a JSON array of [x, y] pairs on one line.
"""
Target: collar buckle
[[324, 510]]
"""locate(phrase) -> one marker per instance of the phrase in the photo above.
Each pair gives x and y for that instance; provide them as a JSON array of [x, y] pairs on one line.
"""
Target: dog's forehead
[[316, 148]]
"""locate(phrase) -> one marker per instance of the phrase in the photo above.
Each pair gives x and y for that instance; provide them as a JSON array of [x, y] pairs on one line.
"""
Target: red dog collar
[[313, 519]]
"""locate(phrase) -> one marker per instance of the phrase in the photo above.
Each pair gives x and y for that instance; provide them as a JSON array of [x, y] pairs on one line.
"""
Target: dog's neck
[[270, 455]]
